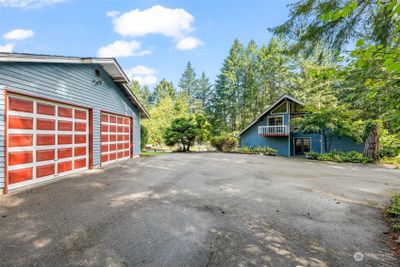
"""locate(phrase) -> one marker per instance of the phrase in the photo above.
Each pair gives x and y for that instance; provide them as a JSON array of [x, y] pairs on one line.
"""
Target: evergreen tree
[[204, 91], [188, 85], [142, 93], [162, 90]]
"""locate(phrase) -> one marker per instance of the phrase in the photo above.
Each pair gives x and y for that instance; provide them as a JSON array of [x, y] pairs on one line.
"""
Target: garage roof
[[110, 65]]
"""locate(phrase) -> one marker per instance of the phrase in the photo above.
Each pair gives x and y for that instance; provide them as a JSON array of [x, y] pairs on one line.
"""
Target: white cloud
[[144, 75], [112, 13], [188, 43], [8, 47], [145, 80], [18, 34], [28, 3], [122, 49], [155, 20]]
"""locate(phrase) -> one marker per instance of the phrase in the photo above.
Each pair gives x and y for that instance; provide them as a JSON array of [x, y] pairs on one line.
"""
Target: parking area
[[203, 209]]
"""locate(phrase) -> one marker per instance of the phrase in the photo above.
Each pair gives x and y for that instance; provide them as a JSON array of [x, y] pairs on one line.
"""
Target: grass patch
[[151, 153], [392, 161]]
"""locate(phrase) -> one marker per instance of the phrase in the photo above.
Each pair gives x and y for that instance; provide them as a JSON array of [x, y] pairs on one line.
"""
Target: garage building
[[61, 115]]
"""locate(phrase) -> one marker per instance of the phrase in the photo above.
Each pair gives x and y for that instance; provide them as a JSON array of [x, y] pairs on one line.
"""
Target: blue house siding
[[315, 141], [346, 144], [285, 144], [72, 83], [250, 138]]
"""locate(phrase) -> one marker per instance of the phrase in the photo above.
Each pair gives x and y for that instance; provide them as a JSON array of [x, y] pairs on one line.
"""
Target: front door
[[301, 145]]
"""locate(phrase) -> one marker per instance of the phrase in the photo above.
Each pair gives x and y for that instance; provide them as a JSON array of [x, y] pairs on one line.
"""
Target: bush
[[337, 156], [256, 150], [224, 143], [394, 212], [144, 136]]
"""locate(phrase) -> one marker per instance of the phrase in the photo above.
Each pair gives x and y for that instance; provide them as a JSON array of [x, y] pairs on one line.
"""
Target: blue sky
[[151, 39]]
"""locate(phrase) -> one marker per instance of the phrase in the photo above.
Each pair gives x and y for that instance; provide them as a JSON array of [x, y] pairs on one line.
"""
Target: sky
[[151, 39]]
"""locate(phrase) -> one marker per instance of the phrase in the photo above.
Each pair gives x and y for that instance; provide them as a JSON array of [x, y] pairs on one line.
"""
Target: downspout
[[288, 109], [321, 143]]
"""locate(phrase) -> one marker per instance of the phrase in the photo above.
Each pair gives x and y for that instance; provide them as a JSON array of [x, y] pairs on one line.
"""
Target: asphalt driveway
[[203, 210]]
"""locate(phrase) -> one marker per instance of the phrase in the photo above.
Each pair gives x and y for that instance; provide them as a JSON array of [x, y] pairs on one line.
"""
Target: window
[[97, 72], [277, 120], [282, 108]]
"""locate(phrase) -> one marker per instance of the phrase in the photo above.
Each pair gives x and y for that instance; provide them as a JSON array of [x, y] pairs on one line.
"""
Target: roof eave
[[110, 65], [268, 110]]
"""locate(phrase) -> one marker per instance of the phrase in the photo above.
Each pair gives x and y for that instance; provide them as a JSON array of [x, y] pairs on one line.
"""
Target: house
[[272, 129], [62, 115]]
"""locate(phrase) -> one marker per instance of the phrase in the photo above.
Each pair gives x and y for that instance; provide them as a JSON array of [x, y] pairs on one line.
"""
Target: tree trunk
[[371, 147]]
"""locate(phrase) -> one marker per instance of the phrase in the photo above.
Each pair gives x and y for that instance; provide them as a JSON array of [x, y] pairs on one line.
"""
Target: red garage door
[[115, 137], [44, 140]]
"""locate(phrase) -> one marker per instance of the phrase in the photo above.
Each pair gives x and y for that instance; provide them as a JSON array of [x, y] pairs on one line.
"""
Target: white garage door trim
[[34, 165], [123, 148]]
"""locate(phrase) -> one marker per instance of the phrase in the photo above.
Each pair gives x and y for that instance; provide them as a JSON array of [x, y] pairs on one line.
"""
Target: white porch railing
[[277, 130]]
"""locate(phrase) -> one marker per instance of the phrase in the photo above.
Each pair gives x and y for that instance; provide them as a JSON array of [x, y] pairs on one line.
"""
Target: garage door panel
[[19, 122], [20, 140], [80, 139], [23, 105], [65, 125], [20, 175], [115, 137], [64, 153], [45, 109], [45, 139], [45, 124], [22, 157], [80, 163], [104, 158], [64, 139], [45, 155], [64, 166], [80, 114], [80, 127], [65, 112], [80, 151], [45, 170]]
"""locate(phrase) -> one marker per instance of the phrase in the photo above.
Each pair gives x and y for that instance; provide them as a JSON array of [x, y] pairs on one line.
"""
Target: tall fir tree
[[204, 92], [163, 89], [188, 85]]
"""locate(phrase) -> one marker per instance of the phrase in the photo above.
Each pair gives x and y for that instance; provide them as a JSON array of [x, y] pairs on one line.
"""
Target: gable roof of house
[[270, 108], [110, 65]]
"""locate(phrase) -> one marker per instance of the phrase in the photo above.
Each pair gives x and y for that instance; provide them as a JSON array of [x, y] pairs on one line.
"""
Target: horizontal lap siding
[[71, 83], [346, 144], [315, 141], [2, 137], [250, 138]]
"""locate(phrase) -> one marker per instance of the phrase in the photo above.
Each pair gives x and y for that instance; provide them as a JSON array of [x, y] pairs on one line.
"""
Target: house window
[[282, 108], [277, 120]]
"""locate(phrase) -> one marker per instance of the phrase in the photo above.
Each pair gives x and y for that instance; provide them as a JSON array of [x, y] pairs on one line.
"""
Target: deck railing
[[277, 130]]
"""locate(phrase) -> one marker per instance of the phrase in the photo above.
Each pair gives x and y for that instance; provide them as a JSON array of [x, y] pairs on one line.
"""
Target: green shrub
[[224, 143], [144, 136], [255, 150], [352, 156], [394, 209], [394, 212]]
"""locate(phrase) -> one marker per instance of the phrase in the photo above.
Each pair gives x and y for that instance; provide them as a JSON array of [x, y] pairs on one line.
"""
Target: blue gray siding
[[346, 144], [72, 83], [316, 141], [284, 145], [250, 138]]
